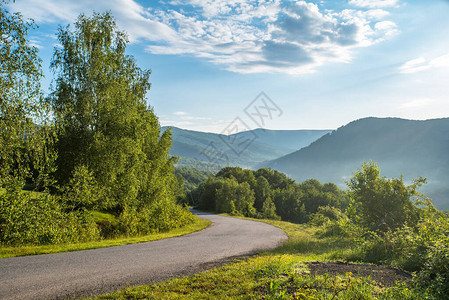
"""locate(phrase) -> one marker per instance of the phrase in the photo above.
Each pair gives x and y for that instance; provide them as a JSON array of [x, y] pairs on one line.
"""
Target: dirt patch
[[385, 276]]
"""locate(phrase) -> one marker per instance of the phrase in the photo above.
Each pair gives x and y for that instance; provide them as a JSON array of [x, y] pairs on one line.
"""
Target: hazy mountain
[[285, 140], [244, 149], [411, 148]]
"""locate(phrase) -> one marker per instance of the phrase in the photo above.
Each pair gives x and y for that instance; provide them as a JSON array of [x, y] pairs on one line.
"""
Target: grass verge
[[283, 273], [34, 250]]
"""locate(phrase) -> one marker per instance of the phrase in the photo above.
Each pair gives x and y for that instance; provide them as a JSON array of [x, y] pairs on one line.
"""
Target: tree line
[[265, 193], [92, 144]]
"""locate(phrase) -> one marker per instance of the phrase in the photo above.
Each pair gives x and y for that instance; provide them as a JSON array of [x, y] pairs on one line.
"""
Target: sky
[[234, 65]]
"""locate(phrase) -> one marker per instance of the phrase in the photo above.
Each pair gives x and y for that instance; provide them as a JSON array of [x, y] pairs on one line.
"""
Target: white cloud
[[130, 16], [194, 123], [386, 29], [36, 43], [441, 61], [293, 38], [422, 64], [239, 9], [184, 116], [238, 35], [414, 66], [374, 3], [418, 103]]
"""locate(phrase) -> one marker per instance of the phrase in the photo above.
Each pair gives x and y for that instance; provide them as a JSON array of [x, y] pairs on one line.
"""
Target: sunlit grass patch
[[303, 241]]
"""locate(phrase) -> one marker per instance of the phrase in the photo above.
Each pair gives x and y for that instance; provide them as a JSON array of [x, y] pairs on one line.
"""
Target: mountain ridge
[[411, 148], [245, 149]]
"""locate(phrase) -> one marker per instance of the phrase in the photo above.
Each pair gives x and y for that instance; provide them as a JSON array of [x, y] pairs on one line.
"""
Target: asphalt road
[[97, 271]]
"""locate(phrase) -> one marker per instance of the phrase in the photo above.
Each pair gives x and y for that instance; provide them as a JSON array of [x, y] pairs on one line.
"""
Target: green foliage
[[162, 216], [27, 153], [388, 228], [423, 249], [326, 214], [434, 277], [226, 196], [20, 73], [190, 163], [24, 146], [239, 174], [40, 221], [192, 177], [112, 154], [276, 179], [82, 190], [289, 205], [206, 194], [108, 224], [11, 251], [275, 195], [235, 198], [341, 228], [267, 277], [262, 192], [269, 210], [316, 194], [381, 204]]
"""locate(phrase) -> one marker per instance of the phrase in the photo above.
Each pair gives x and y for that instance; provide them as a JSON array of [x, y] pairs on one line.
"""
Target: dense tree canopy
[[102, 150], [27, 148], [20, 96], [192, 178], [106, 126], [265, 193]]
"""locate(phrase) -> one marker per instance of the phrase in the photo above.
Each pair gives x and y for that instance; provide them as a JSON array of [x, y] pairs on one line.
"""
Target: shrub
[[82, 190], [160, 216], [342, 227], [434, 276], [326, 214], [42, 220], [381, 204]]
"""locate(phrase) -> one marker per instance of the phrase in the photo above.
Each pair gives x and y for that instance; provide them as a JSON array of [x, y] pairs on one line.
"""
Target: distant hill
[[285, 140], [408, 147], [245, 149]]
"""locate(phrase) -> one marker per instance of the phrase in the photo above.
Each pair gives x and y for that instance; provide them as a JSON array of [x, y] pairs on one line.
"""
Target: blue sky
[[323, 63]]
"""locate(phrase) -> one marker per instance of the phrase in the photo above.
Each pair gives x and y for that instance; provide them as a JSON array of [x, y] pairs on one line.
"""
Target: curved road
[[97, 271]]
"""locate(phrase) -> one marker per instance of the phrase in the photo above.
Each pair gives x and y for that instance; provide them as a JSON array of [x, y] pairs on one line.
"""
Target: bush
[[381, 204], [342, 227], [326, 214], [82, 190], [159, 217], [41, 220], [434, 276], [107, 224]]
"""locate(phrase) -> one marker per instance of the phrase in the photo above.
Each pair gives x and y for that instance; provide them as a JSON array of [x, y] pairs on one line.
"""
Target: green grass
[[277, 274], [264, 277], [302, 241], [33, 250]]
